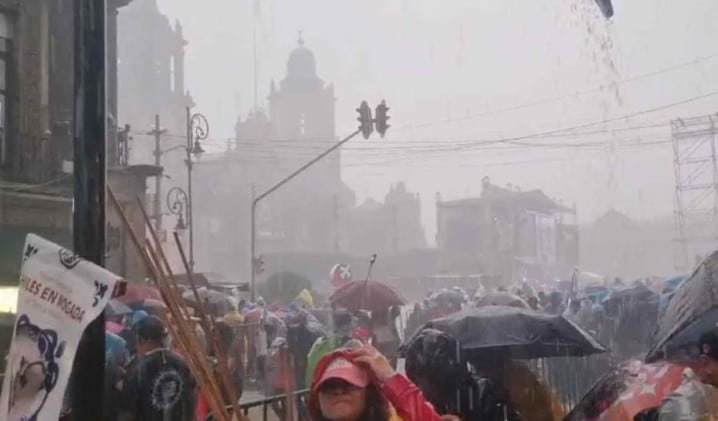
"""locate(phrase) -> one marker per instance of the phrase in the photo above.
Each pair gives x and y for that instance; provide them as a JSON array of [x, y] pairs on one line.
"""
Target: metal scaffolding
[[696, 172]]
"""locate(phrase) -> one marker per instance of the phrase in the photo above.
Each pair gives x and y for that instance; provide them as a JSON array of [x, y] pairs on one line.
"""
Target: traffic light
[[381, 118], [258, 265], [366, 124]]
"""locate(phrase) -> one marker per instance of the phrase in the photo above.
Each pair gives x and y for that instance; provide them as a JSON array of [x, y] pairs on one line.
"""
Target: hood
[[322, 365]]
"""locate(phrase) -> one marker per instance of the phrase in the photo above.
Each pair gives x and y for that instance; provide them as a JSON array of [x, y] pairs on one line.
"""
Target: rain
[[358, 210]]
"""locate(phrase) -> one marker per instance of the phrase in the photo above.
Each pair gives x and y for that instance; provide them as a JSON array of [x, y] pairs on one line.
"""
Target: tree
[[283, 286]]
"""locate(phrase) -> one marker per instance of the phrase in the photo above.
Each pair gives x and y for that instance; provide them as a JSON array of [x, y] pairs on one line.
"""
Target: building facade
[[507, 233], [313, 216], [36, 128]]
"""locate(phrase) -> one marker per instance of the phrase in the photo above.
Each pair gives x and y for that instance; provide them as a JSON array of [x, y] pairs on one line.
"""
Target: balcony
[[33, 161]]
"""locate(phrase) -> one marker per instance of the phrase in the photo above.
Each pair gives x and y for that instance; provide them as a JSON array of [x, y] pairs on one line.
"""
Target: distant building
[[507, 233], [392, 227], [315, 214], [150, 68], [617, 245]]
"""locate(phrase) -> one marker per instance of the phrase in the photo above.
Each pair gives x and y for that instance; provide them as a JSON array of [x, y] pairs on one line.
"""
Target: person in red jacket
[[360, 385]]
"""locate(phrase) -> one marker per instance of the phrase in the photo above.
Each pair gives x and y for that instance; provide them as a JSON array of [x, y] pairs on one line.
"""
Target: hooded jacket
[[403, 395]]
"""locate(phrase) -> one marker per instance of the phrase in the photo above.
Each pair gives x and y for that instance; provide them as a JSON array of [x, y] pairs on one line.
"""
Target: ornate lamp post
[[178, 203], [197, 129]]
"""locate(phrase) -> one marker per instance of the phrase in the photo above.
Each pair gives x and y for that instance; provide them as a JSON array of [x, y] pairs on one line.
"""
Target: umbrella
[[365, 295], [113, 327], [139, 292], [516, 332], [117, 308], [149, 304], [218, 302], [691, 310], [672, 283], [628, 390], [638, 293], [501, 299]]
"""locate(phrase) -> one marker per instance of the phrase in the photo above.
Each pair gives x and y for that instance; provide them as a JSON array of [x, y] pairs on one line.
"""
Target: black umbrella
[[501, 299], [691, 311], [637, 294], [516, 333]]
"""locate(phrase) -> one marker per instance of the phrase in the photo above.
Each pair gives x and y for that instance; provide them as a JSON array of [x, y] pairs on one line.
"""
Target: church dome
[[301, 64]]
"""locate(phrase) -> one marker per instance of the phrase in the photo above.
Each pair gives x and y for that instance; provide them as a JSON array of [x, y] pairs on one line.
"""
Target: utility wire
[[530, 104]]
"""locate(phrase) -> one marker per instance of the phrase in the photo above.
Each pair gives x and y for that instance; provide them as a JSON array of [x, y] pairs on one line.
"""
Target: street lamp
[[366, 127], [197, 129], [178, 203]]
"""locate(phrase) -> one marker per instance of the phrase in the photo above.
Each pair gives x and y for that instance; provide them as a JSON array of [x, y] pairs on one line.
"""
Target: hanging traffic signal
[[381, 118], [366, 124]]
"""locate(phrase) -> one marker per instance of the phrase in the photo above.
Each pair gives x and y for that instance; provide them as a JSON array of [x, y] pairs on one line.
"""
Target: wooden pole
[[207, 321], [196, 359], [214, 335]]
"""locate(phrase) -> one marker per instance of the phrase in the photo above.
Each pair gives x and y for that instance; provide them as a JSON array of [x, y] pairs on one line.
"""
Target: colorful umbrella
[[150, 305], [113, 327], [628, 390], [366, 295], [139, 292], [117, 308]]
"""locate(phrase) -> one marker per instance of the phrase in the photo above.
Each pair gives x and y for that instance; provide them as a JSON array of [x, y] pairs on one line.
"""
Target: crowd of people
[[268, 348], [348, 360]]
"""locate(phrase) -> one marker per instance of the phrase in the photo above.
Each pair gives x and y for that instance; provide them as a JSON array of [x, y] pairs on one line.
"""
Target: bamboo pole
[[197, 364], [208, 322], [190, 342], [286, 361], [214, 335]]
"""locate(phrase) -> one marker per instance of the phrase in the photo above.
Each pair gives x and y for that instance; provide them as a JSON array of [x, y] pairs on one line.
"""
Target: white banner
[[60, 294]]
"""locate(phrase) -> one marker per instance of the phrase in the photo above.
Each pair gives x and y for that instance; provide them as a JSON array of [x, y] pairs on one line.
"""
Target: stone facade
[[507, 233], [388, 228], [150, 69], [36, 146]]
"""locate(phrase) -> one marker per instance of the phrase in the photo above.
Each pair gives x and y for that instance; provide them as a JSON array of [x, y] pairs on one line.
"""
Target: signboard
[[340, 274], [60, 294]]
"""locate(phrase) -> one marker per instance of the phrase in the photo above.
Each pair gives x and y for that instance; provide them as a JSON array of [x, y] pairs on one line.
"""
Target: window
[[173, 88], [5, 45]]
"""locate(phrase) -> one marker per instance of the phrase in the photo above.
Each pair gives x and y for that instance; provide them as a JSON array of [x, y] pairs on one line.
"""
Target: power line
[[311, 144], [693, 62], [478, 143]]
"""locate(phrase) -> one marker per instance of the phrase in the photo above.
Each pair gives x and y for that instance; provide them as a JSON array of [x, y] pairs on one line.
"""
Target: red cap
[[342, 368]]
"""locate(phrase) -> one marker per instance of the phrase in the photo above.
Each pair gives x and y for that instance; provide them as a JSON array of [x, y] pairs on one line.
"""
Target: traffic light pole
[[88, 213], [274, 188]]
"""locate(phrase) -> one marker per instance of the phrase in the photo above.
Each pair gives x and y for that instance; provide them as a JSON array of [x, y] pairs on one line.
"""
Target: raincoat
[[305, 297], [691, 401], [322, 346], [407, 402], [530, 396]]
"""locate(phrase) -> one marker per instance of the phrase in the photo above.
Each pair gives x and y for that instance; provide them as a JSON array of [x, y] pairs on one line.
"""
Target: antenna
[[254, 51], [372, 260]]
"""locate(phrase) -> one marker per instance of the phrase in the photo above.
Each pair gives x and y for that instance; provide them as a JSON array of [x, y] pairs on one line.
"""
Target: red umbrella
[[363, 295], [138, 292], [113, 327]]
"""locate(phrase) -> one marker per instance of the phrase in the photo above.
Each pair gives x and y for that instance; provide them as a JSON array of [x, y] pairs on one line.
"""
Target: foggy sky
[[450, 69]]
